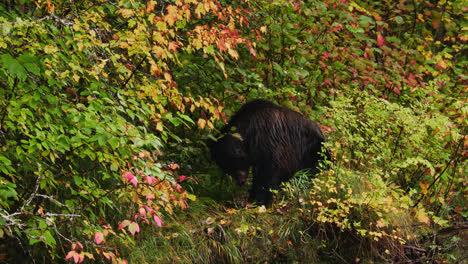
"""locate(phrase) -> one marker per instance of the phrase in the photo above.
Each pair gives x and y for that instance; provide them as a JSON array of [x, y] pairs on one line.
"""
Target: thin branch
[[452, 159]]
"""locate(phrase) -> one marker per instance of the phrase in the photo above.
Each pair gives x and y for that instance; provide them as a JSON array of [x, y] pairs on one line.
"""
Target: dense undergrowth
[[105, 107]]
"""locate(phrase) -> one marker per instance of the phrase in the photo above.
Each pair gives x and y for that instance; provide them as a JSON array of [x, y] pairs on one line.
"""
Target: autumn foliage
[[105, 105]]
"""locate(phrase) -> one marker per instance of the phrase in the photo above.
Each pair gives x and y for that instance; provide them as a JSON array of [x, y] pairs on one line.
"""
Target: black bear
[[276, 141]]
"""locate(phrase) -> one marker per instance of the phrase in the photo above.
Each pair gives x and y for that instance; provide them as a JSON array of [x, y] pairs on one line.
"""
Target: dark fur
[[276, 141]]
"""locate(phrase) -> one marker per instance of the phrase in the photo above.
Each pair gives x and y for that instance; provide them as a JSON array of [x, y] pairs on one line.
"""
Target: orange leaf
[[150, 5], [201, 123], [173, 46]]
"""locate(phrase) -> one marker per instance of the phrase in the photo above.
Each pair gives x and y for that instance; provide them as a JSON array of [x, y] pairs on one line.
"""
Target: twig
[[452, 159]]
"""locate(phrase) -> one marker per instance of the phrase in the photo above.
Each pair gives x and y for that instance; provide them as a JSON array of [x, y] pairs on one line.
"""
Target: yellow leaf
[[230, 211], [233, 54], [424, 186], [443, 64], [159, 127], [422, 216], [126, 13], [191, 197], [159, 52], [262, 209], [76, 77], [421, 17], [49, 49]]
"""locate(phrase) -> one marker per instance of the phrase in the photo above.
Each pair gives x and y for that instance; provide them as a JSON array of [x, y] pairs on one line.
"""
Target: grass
[[217, 228]]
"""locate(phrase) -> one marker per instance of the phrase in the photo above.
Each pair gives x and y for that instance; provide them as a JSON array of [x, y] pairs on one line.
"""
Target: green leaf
[[13, 66], [102, 139], [365, 21], [399, 20], [49, 239], [4, 161], [186, 118], [114, 142]]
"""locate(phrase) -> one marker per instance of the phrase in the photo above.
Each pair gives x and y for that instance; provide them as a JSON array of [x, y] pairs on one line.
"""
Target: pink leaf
[[150, 180], [124, 224], [132, 228], [134, 181], [380, 40], [98, 237], [174, 166], [184, 178], [70, 255], [396, 90], [80, 258], [106, 255], [129, 176], [76, 258], [142, 211], [253, 52], [158, 220]]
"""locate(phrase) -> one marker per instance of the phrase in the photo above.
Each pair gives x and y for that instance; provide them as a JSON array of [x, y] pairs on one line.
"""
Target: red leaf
[[98, 237], [380, 40], [396, 90], [158, 220]]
